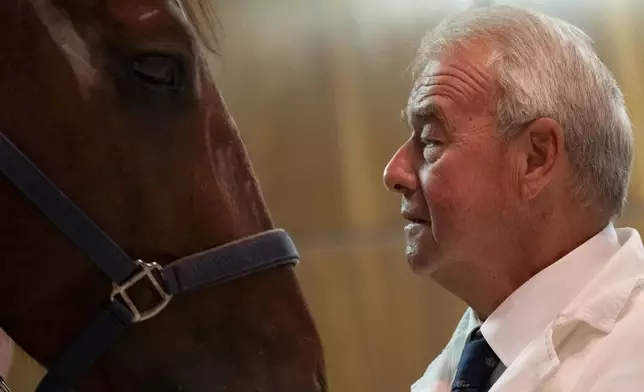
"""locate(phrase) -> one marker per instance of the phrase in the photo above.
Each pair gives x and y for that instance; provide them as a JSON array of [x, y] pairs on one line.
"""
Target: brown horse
[[112, 100]]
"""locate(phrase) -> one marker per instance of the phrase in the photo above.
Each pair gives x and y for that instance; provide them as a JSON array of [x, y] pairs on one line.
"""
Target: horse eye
[[158, 72]]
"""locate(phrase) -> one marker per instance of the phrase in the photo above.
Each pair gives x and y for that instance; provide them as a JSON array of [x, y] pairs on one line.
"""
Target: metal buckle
[[146, 271]]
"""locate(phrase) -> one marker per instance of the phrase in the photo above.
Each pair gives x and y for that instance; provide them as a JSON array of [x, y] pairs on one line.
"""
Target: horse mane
[[203, 20]]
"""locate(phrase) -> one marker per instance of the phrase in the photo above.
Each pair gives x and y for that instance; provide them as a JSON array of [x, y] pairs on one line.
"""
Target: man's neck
[[546, 244]]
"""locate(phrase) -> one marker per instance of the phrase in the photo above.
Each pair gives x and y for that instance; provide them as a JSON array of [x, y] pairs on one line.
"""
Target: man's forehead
[[465, 62], [418, 97], [431, 68]]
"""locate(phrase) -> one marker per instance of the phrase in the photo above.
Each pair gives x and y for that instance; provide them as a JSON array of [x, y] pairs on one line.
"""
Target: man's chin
[[419, 248], [422, 258], [422, 266]]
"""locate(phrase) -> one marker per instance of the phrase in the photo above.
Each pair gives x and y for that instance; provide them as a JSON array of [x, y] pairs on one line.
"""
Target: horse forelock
[[202, 18]]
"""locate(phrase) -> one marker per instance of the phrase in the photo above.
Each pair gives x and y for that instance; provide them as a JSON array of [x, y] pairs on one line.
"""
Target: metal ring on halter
[[147, 270]]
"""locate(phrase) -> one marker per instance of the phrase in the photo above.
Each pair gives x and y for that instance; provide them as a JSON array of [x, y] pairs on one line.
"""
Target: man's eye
[[432, 143], [431, 149]]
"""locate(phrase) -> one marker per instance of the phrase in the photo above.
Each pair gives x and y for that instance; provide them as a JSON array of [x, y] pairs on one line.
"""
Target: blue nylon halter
[[228, 262]]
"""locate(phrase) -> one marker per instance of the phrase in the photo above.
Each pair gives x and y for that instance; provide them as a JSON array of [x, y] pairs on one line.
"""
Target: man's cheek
[[441, 192]]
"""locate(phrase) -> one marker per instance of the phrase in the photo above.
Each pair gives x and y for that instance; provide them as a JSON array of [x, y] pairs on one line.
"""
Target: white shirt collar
[[510, 328]]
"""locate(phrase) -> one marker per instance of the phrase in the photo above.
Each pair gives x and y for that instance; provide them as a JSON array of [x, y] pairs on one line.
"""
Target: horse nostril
[[158, 72]]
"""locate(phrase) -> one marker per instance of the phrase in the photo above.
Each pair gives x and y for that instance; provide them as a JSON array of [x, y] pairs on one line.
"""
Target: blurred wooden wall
[[316, 88]]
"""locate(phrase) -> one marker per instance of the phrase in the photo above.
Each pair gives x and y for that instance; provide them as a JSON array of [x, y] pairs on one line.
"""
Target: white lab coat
[[596, 344]]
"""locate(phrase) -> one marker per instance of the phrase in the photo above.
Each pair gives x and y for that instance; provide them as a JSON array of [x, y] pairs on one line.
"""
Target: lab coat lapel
[[598, 306]]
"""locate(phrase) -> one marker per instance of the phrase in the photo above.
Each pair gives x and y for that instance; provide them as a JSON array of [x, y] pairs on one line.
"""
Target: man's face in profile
[[453, 173]]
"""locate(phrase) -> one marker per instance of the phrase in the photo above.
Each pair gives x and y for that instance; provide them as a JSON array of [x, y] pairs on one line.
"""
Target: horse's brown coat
[[165, 174]]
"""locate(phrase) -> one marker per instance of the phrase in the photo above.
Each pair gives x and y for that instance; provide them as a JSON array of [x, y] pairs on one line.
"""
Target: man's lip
[[413, 218], [417, 222]]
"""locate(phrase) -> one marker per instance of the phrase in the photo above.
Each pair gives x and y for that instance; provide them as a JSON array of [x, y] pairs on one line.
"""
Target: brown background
[[316, 88]]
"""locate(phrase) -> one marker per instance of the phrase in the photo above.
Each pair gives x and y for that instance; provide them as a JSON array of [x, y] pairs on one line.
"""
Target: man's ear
[[541, 146]]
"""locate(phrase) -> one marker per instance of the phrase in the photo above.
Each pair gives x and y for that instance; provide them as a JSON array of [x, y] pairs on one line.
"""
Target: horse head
[[114, 102]]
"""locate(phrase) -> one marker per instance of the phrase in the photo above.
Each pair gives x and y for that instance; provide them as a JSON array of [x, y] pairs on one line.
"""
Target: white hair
[[546, 67]]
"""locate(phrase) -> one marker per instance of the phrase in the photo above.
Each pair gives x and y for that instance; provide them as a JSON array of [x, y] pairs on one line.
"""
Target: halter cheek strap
[[231, 261]]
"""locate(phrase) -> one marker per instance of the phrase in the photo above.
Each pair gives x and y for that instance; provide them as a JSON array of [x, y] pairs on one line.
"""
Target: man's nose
[[399, 175]]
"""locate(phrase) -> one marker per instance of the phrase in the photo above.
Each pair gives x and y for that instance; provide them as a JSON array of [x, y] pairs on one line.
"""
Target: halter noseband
[[230, 261]]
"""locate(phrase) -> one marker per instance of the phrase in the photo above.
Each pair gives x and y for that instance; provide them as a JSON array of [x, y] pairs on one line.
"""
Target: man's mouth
[[414, 219], [418, 221]]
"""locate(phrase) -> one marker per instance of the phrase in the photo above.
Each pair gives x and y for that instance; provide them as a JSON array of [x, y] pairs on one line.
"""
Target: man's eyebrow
[[408, 115], [426, 110]]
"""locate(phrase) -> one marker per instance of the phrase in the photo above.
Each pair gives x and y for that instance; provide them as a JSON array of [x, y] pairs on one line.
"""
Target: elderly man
[[518, 161]]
